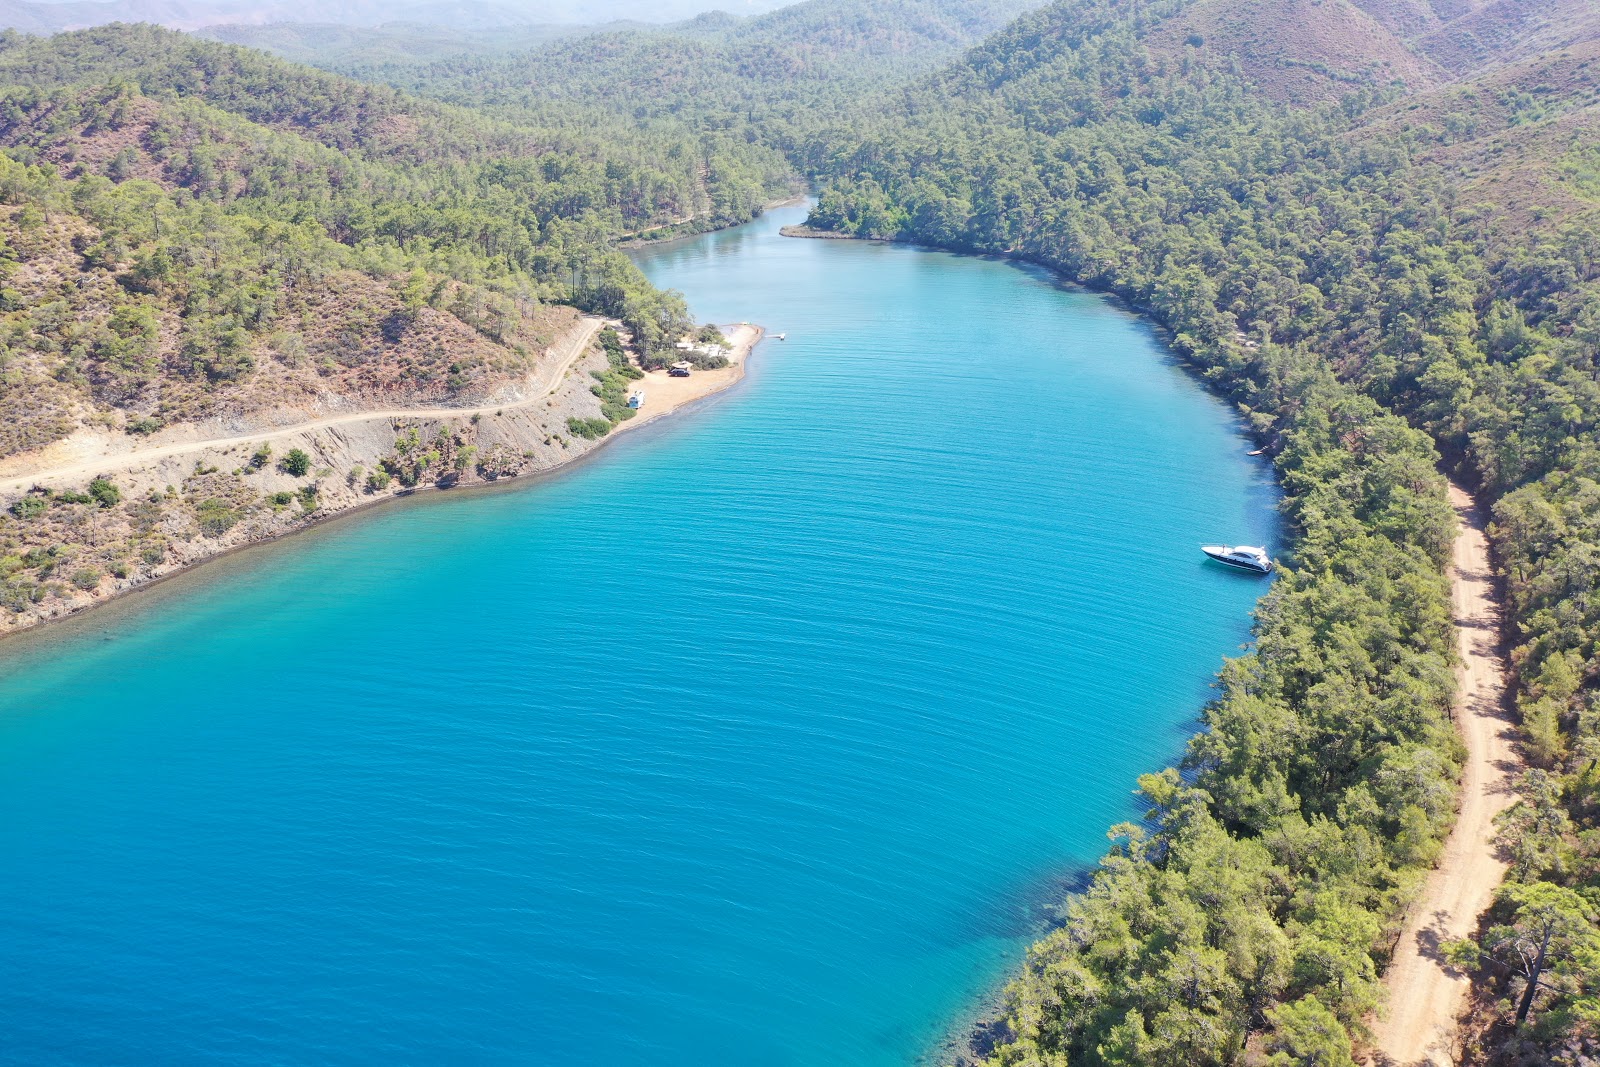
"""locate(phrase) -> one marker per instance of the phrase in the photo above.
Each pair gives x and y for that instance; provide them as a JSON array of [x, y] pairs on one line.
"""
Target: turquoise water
[[760, 739]]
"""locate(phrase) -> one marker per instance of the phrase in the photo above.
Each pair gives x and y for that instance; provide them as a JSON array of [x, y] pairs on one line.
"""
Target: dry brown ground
[[566, 352]]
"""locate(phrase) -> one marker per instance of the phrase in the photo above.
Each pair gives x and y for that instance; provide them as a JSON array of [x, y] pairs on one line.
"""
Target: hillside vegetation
[[1306, 51], [756, 80], [196, 229]]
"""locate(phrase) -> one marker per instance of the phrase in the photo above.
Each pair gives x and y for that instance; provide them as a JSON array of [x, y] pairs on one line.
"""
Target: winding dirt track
[[568, 351], [1427, 997]]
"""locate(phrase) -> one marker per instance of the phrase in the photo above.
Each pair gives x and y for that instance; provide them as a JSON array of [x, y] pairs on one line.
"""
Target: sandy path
[[569, 350], [1426, 998]]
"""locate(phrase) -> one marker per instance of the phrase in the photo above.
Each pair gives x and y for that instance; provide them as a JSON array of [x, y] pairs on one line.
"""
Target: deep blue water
[[757, 740]]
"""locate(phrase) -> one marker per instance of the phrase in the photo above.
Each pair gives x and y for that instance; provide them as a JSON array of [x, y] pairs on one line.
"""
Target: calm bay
[[762, 738]]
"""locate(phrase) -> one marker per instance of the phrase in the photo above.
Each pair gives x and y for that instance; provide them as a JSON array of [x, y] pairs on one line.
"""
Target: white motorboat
[[1240, 557]]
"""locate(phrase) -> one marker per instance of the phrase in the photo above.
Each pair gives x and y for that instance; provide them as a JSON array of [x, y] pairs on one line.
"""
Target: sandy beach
[[664, 394]]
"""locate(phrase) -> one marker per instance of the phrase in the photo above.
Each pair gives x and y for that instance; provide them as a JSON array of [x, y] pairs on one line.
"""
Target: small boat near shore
[[1240, 557]]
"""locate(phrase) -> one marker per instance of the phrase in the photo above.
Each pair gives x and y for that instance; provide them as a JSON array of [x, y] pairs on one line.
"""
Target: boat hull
[[1238, 564]]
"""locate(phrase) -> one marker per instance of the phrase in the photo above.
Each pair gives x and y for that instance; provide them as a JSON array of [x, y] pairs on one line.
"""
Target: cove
[[760, 739]]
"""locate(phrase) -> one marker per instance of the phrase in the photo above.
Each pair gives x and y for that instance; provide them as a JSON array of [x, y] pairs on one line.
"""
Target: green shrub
[[401, 469], [73, 497], [295, 462], [105, 492], [87, 578], [308, 497], [589, 428], [19, 594], [261, 457], [215, 517], [147, 425], [30, 507], [617, 356], [613, 393], [281, 500], [378, 480]]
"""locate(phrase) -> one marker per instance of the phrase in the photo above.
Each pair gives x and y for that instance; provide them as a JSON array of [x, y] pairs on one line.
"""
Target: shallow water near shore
[[760, 739]]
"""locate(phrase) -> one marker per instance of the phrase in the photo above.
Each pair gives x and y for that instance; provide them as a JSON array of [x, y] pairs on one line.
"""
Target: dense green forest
[[720, 72], [623, 179]]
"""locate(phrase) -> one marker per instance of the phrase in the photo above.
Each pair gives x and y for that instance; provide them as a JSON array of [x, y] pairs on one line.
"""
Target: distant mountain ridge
[[334, 46], [45, 18]]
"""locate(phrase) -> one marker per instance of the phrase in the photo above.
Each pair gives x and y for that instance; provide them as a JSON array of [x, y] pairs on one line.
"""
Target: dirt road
[[568, 351], [1426, 998]]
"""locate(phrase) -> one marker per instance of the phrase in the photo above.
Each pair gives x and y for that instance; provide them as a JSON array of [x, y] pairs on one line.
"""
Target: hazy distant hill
[[36, 17], [800, 63], [338, 47]]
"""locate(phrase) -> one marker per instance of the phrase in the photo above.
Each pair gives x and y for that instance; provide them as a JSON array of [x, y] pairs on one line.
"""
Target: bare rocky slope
[[79, 530]]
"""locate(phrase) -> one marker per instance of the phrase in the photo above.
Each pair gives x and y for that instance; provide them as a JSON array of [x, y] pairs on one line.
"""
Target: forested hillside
[[1427, 243], [195, 229], [757, 80]]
